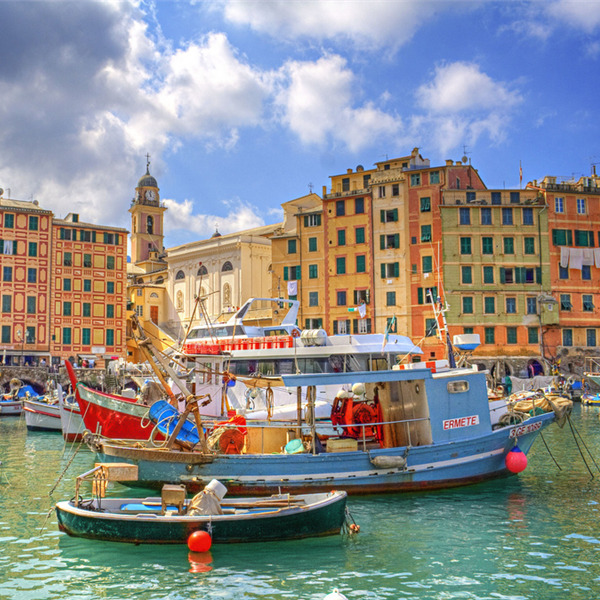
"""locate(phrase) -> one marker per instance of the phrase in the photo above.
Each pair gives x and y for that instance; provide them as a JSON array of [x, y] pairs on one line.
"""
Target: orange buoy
[[199, 541], [516, 460]]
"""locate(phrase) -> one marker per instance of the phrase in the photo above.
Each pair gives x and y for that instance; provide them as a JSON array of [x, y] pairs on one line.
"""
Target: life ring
[[295, 333]]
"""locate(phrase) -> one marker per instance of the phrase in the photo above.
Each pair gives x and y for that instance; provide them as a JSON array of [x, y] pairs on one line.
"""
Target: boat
[[591, 399], [11, 404], [71, 423], [416, 427], [42, 414], [172, 518]]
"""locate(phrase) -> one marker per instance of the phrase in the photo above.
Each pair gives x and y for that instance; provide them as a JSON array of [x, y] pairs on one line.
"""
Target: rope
[[584, 445], [64, 470], [578, 447], [549, 452]]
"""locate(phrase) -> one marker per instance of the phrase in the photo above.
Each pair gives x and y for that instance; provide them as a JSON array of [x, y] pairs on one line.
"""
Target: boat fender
[[389, 462]]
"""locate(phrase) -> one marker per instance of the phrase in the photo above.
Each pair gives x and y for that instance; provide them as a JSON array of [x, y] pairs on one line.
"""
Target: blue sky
[[243, 105]]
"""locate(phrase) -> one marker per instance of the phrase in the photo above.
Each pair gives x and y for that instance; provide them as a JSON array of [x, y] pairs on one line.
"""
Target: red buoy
[[516, 460], [199, 541]]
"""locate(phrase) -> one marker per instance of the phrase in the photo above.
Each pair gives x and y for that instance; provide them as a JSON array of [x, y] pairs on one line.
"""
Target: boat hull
[[321, 516], [433, 466], [10, 408], [41, 416]]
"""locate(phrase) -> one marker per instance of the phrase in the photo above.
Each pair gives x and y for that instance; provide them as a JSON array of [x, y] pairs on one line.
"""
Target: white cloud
[[580, 14], [317, 104]]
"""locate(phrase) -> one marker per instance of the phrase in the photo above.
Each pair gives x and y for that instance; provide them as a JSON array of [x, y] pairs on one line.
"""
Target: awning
[[88, 356]]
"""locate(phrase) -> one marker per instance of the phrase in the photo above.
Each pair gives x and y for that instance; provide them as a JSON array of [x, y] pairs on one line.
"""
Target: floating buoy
[[354, 528], [516, 460], [335, 595], [199, 541]]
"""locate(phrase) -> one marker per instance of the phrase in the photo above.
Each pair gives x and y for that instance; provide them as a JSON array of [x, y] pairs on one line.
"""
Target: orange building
[[25, 247], [88, 298]]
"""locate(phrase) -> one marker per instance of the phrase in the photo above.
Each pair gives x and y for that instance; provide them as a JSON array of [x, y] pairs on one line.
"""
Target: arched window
[[159, 280], [226, 295], [227, 266], [153, 295], [202, 271], [150, 224], [180, 275]]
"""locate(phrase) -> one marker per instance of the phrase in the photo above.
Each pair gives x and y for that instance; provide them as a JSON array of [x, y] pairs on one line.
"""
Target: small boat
[[42, 414], [72, 424], [11, 404], [591, 399], [172, 518]]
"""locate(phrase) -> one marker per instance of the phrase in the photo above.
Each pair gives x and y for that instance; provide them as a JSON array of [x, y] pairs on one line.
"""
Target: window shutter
[[395, 214], [382, 216], [502, 275], [285, 273], [538, 275], [382, 270], [569, 237], [298, 272], [382, 242], [420, 295], [397, 240], [396, 269]]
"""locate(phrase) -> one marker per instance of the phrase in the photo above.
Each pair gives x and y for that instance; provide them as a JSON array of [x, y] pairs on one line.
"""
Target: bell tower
[[147, 234]]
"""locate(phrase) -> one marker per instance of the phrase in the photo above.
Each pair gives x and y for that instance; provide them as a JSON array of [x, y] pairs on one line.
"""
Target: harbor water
[[534, 536]]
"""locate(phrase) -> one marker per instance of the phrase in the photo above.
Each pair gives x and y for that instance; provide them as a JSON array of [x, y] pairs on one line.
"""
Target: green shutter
[[538, 274], [396, 269], [569, 237], [502, 275], [397, 240], [382, 216], [286, 273], [382, 270], [420, 295], [382, 242], [298, 272]]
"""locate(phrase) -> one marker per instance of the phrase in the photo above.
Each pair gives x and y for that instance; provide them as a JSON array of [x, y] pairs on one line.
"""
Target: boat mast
[[439, 310]]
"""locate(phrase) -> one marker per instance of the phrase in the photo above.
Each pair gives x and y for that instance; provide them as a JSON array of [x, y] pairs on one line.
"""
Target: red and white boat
[[70, 418], [41, 414]]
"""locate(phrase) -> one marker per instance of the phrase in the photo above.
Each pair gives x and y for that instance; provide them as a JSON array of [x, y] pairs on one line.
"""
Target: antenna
[[310, 187]]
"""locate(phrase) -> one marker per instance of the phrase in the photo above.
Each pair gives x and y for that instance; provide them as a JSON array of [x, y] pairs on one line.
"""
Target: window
[[361, 326], [359, 206], [361, 263], [31, 275], [430, 327], [496, 197], [563, 272], [529, 245], [86, 309], [67, 309], [515, 197], [340, 265], [86, 336], [341, 298], [562, 237], [390, 299], [427, 295], [466, 275], [511, 335], [362, 297], [360, 235], [31, 305], [109, 238], [87, 285], [32, 249], [312, 220], [110, 337], [179, 275], [464, 216], [6, 303], [590, 337], [227, 266], [313, 298], [391, 325], [87, 260], [85, 236], [395, 189], [313, 271], [427, 264], [565, 302], [489, 335], [465, 245], [415, 179], [7, 273], [531, 306], [388, 216], [110, 311], [581, 207], [110, 287], [467, 305], [9, 221], [340, 208], [66, 335], [30, 335], [586, 272], [381, 190], [487, 245], [341, 237], [434, 177], [292, 273], [345, 184], [33, 223], [470, 197], [110, 262], [584, 238], [202, 271], [488, 274], [533, 336], [506, 275], [66, 285], [567, 335], [425, 204], [312, 244], [507, 216], [6, 334], [67, 259], [390, 270], [587, 302], [527, 215], [486, 215], [509, 245], [559, 205], [291, 247], [489, 305], [511, 306]]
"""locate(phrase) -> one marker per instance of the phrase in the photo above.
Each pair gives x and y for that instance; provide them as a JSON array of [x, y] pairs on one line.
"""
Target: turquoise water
[[535, 536]]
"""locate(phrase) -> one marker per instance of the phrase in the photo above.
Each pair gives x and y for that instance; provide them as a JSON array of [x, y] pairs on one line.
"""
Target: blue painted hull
[[459, 462]]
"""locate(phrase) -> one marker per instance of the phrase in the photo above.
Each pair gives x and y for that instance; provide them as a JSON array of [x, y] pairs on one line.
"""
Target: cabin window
[[458, 387]]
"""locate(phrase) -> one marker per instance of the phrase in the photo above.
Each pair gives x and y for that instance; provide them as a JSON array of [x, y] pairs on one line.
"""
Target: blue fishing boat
[[424, 426]]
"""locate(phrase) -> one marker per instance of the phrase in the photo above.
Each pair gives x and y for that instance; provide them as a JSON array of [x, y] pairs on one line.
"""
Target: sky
[[243, 105]]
